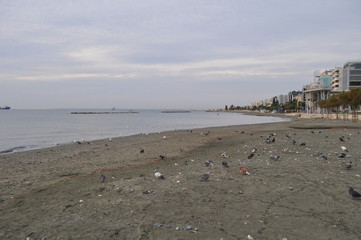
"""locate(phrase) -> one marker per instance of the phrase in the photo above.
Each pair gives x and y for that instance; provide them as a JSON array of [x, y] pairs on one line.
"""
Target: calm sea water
[[31, 129]]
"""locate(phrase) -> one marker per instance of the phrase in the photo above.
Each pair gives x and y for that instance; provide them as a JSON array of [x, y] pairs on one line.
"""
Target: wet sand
[[55, 193]]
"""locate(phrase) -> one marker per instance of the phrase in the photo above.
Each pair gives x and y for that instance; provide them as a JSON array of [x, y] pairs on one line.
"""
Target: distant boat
[[4, 107]]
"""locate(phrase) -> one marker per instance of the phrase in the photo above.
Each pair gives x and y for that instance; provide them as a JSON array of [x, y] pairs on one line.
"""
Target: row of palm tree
[[343, 101]]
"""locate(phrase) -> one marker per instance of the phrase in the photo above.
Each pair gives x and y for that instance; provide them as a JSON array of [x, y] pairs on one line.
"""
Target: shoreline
[[30, 147], [56, 193]]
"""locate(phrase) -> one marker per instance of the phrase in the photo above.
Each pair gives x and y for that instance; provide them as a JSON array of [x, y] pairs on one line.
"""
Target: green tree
[[355, 102]]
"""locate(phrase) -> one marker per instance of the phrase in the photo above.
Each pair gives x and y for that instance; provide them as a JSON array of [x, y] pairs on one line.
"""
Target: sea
[[22, 130]]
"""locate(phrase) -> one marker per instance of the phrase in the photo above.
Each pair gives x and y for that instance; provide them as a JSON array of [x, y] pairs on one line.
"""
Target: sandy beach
[[56, 193]]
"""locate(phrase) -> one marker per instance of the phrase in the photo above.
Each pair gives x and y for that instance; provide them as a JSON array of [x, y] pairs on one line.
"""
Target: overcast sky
[[196, 54]]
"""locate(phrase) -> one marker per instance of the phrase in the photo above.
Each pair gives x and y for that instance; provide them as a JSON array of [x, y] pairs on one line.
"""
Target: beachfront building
[[352, 74], [320, 89], [282, 99], [337, 82], [294, 95]]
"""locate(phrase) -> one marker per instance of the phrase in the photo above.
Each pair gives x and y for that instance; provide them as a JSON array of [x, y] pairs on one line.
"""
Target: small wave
[[17, 149]]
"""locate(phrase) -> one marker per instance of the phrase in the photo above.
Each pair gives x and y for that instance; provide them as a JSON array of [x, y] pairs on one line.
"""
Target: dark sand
[[55, 193]]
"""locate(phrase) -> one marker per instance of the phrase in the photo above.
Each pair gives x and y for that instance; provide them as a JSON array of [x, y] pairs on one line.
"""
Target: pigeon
[[353, 193], [224, 164], [205, 177], [224, 155], [274, 158], [342, 155], [244, 171], [270, 140], [102, 178], [250, 156], [158, 175], [208, 163], [349, 165]]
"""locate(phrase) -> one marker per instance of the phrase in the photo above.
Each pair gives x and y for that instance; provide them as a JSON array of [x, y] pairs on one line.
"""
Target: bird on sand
[[158, 175], [353, 193], [205, 177], [208, 163], [274, 158], [342, 155], [349, 165], [102, 178], [141, 150], [250, 156], [244, 171], [224, 164]]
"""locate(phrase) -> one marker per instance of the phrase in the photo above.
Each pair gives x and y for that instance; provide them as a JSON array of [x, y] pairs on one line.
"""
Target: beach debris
[[294, 142], [353, 193], [349, 165], [344, 148], [254, 150], [342, 155], [342, 138], [274, 158], [219, 138], [102, 178], [161, 157], [250, 156], [224, 155], [303, 144], [158, 175], [189, 228], [290, 188], [141, 150], [205, 177], [244, 171], [225, 164], [249, 237], [147, 192], [208, 163]]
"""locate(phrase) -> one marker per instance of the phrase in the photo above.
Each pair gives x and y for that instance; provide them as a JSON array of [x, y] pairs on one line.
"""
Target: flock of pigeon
[[269, 140]]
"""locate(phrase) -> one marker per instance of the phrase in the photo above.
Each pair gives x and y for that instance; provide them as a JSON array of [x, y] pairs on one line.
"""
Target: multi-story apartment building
[[352, 74], [320, 89], [337, 82]]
